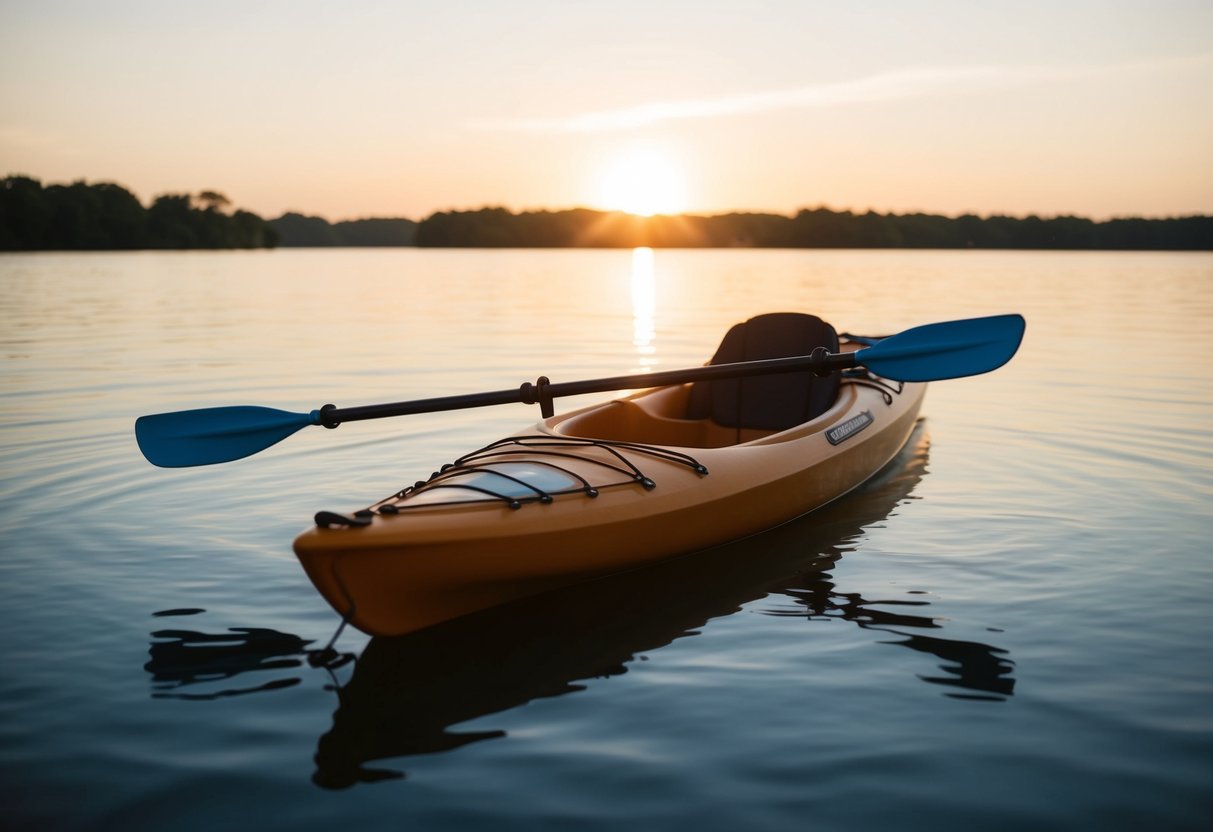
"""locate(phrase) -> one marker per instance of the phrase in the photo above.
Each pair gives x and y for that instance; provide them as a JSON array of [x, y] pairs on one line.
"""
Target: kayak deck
[[534, 468]]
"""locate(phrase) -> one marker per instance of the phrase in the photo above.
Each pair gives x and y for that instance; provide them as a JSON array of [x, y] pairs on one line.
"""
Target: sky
[[361, 108]]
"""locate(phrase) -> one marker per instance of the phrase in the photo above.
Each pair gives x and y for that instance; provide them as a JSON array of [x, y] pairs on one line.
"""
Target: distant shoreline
[[105, 216], [809, 228]]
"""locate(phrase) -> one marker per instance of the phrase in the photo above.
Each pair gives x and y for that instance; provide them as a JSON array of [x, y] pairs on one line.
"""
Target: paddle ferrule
[[326, 416], [824, 362]]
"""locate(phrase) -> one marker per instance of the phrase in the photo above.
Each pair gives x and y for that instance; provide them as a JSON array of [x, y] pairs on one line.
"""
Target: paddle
[[932, 352]]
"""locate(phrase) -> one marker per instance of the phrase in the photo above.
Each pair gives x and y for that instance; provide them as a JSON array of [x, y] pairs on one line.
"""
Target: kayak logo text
[[849, 428]]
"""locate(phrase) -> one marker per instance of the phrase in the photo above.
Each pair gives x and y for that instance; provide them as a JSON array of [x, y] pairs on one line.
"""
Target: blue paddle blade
[[215, 434], [953, 349]]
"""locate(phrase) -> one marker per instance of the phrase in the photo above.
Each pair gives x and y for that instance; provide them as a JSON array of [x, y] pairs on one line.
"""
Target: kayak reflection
[[973, 666], [406, 692], [205, 663]]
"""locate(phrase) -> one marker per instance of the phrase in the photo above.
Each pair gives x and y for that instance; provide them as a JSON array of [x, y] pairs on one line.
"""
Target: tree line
[[809, 228], [103, 216], [299, 230], [107, 216]]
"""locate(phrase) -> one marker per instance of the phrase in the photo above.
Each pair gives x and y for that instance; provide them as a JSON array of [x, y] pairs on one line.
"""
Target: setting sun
[[643, 182]]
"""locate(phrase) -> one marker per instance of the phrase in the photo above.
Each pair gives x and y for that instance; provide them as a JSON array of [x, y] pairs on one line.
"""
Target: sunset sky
[[362, 108]]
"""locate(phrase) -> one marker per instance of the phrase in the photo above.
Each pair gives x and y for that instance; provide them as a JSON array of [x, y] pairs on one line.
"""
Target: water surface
[[1008, 629]]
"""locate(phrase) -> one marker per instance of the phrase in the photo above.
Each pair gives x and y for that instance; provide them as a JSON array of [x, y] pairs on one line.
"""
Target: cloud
[[897, 85]]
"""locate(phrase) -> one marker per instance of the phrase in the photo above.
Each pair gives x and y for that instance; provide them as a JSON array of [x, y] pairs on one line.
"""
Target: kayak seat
[[773, 402]]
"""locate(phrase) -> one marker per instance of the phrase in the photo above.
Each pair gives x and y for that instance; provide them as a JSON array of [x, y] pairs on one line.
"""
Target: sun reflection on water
[[644, 308]]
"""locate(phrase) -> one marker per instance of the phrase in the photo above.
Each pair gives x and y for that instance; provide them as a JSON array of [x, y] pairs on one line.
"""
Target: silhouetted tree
[[213, 201], [298, 230], [107, 216], [387, 231]]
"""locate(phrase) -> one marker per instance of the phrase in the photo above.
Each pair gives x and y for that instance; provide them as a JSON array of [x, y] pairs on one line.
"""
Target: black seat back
[[773, 402]]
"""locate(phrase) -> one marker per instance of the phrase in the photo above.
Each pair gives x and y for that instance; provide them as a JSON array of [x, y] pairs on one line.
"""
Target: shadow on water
[[406, 692]]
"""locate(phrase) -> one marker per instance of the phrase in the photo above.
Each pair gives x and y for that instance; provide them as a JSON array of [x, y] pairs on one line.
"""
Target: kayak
[[786, 417], [611, 487]]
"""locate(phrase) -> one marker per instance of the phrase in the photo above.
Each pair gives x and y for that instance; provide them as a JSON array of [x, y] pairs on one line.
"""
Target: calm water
[[1011, 628]]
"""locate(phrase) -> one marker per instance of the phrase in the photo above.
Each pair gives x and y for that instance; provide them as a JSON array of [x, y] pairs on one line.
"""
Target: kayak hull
[[604, 489]]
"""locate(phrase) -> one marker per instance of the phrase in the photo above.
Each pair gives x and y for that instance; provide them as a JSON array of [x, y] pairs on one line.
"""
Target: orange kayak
[[614, 486]]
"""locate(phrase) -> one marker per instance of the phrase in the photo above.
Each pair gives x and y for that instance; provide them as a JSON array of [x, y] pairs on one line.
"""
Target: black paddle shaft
[[543, 391]]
